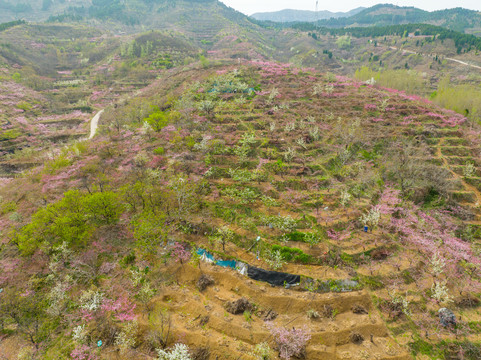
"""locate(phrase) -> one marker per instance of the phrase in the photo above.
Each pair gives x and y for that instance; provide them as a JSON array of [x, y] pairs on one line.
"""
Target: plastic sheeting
[[226, 263], [208, 257], [242, 268], [205, 256], [273, 277], [276, 278]]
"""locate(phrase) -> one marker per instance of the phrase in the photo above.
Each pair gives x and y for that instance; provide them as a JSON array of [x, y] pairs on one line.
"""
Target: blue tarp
[[278, 278], [227, 263], [204, 254]]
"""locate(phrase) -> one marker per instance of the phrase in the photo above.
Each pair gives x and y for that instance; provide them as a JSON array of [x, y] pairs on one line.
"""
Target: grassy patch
[[10, 134], [371, 282], [293, 254]]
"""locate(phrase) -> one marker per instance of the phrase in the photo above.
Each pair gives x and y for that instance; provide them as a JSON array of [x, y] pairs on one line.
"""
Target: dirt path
[[431, 55], [94, 124], [464, 63]]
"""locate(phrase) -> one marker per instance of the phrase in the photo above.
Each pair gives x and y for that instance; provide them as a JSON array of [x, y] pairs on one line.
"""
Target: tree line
[[461, 41], [7, 25]]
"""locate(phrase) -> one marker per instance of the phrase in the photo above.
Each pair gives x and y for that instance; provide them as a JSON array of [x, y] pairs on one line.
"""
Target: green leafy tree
[[104, 207], [71, 219], [157, 120], [344, 42], [149, 230], [27, 312], [184, 193]]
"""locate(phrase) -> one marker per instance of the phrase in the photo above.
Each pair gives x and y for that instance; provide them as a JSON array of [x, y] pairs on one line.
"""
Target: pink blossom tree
[[290, 342], [180, 253]]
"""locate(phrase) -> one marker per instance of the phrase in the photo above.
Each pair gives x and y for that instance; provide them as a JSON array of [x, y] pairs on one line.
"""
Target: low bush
[[293, 254]]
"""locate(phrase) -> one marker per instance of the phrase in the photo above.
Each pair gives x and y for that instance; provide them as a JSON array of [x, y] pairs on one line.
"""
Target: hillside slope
[[212, 159], [56, 76]]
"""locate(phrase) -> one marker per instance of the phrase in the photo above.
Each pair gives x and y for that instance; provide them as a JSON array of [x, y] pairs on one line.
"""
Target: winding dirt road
[[432, 55], [94, 124], [464, 63]]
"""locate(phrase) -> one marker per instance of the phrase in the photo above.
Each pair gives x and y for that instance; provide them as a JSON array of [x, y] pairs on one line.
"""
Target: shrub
[[275, 260], [371, 218], [469, 170], [157, 120], [263, 351], [344, 42], [313, 314], [125, 339], [159, 151], [51, 167], [311, 238], [10, 134], [178, 352], [244, 196], [295, 236], [290, 342], [16, 77], [292, 254], [25, 106]]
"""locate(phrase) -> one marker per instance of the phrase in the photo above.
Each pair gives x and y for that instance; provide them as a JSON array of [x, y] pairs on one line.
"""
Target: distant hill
[[36, 10], [458, 19], [199, 17], [289, 15]]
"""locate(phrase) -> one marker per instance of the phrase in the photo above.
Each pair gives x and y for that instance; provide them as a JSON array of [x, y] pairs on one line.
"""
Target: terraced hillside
[[56, 77], [267, 165]]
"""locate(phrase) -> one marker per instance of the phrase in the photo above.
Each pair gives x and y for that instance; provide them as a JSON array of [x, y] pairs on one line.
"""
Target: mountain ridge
[[290, 15], [459, 19]]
